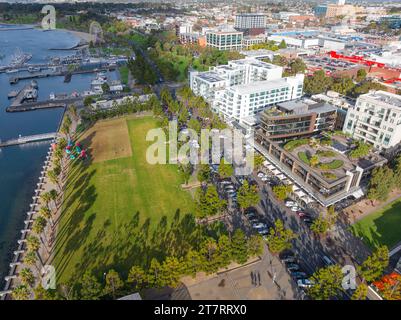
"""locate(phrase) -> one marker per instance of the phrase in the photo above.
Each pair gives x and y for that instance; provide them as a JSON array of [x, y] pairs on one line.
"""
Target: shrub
[[291, 145], [325, 142], [329, 175], [361, 150], [304, 157], [335, 164]]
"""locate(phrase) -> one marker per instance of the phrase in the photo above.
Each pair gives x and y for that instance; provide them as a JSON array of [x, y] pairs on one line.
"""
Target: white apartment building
[[250, 21], [245, 87], [376, 119]]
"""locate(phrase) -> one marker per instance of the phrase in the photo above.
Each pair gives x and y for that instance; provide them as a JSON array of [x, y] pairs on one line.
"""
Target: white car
[[259, 225], [289, 203], [264, 178], [294, 209], [304, 283], [261, 174]]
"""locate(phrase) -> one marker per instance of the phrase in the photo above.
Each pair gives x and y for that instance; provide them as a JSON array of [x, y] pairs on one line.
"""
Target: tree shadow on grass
[[133, 243]]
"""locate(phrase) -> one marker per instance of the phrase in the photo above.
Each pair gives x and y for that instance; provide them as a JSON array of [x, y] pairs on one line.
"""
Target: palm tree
[[53, 196], [31, 259], [27, 277], [21, 293], [53, 177], [46, 213], [32, 243], [45, 197], [73, 111], [39, 225]]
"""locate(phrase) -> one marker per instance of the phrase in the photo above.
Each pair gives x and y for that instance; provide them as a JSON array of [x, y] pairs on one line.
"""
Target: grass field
[[119, 210], [381, 227]]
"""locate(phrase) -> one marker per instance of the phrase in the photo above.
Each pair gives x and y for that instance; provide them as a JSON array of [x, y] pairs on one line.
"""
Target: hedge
[[335, 164]]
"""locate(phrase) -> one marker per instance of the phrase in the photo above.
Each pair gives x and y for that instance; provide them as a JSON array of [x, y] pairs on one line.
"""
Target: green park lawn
[[121, 212], [381, 227]]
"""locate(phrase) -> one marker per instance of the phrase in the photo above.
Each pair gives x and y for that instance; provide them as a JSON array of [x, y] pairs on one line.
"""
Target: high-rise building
[[245, 87], [250, 21], [376, 119]]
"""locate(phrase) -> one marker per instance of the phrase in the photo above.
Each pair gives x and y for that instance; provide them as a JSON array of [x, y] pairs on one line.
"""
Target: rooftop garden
[[314, 161], [293, 144]]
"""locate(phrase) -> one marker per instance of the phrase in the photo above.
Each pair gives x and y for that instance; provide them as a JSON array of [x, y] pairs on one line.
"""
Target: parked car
[[259, 225], [261, 174], [304, 283], [289, 259], [264, 179], [292, 267], [327, 261], [263, 232], [295, 209], [298, 275], [302, 214], [289, 203]]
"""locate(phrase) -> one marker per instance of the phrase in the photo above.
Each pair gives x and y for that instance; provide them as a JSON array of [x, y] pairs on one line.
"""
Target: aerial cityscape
[[200, 150]]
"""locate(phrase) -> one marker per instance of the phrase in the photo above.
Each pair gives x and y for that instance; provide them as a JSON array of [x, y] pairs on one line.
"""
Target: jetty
[[46, 104], [28, 139]]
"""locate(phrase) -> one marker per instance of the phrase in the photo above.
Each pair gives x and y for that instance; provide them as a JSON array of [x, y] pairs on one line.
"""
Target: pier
[[46, 104], [28, 139]]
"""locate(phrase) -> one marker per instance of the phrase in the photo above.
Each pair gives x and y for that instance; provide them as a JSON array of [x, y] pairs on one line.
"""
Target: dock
[[46, 104], [28, 139]]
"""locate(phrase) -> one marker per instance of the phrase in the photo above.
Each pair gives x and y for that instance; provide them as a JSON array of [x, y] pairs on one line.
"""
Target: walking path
[[48, 236]]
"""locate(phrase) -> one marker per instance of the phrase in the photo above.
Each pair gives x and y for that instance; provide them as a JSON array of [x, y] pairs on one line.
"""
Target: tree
[[391, 289], [224, 250], [226, 170], [314, 160], [239, 246], [397, 172], [204, 173], [258, 161], [360, 293], [279, 238], [39, 225], [88, 101], [380, 184], [27, 277], [282, 45], [41, 293], [317, 83], [21, 292], [153, 278], [193, 262], [361, 75], [255, 245], [46, 198], [248, 195], [210, 255], [46, 213], [30, 259], [32, 243], [186, 170], [171, 271], [209, 202], [373, 267], [362, 149], [53, 196], [326, 283], [113, 283], [320, 225], [194, 124], [281, 191], [136, 277], [53, 177], [91, 289]]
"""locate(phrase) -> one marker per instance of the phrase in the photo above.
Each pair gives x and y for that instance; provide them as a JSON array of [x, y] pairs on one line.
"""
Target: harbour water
[[20, 166]]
